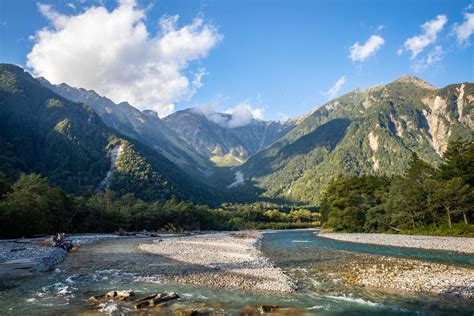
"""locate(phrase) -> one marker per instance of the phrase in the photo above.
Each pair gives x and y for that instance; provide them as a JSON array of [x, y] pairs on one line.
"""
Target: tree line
[[32, 206], [424, 199]]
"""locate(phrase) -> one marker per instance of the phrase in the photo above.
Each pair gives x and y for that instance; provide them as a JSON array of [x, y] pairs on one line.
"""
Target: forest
[[428, 200], [32, 206]]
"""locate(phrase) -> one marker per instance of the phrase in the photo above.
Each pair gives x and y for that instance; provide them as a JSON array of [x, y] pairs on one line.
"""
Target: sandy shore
[[457, 244], [221, 260]]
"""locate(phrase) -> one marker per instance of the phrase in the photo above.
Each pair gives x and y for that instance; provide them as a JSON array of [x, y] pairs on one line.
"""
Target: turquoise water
[[116, 264]]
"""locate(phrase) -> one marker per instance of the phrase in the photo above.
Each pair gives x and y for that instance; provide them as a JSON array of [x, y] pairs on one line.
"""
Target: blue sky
[[278, 59]]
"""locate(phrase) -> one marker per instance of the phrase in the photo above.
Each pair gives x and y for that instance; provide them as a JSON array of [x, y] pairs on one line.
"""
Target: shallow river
[[117, 264]]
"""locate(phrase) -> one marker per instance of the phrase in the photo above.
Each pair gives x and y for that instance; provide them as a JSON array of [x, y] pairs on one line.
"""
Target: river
[[117, 264]]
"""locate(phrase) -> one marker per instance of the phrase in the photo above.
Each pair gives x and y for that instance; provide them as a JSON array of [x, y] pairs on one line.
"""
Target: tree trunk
[[449, 216], [465, 218], [413, 220]]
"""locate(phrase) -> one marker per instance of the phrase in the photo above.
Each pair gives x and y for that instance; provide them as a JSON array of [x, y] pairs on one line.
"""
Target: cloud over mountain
[[334, 90], [465, 30], [113, 53], [370, 47], [417, 44], [240, 115]]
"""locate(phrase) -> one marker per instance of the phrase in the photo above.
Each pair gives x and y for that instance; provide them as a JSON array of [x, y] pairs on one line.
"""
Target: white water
[[239, 180]]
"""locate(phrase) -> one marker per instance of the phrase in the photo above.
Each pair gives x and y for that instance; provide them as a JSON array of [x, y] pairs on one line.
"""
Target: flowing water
[[117, 264]]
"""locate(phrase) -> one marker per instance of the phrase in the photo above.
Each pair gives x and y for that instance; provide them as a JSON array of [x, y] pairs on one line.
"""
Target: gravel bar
[[456, 244], [229, 260]]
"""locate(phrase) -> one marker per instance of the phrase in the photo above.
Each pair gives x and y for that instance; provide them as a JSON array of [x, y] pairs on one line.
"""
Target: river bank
[[457, 244], [225, 260], [26, 256]]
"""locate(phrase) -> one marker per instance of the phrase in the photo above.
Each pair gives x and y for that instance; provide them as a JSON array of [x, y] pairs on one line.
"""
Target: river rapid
[[311, 261]]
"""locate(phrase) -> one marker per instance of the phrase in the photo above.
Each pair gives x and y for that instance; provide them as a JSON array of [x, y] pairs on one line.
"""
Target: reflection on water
[[118, 265]]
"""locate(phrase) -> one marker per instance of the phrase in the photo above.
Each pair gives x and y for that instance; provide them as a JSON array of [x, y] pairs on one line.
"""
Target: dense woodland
[[31, 206], [422, 200]]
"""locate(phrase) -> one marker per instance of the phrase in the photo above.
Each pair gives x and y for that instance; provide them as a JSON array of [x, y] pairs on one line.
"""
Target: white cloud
[[243, 114], [240, 115], [369, 48], [416, 44], [465, 30], [433, 57], [113, 53], [334, 90]]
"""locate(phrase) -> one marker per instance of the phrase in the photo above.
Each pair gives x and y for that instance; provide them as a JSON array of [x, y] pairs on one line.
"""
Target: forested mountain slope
[[145, 126], [372, 131], [68, 142]]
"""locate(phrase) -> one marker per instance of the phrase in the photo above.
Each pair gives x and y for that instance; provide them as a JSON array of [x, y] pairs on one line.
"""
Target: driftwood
[[59, 240]]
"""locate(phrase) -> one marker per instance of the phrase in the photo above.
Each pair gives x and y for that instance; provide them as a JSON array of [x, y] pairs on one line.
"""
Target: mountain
[[225, 146], [68, 142], [145, 126], [372, 131]]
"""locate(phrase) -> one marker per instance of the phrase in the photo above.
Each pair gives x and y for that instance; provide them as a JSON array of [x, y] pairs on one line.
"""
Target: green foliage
[[42, 132], [423, 199], [387, 124], [32, 206], [263, 215]]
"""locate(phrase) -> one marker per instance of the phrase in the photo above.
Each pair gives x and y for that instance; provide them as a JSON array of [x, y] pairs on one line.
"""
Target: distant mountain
[[223, 145], [145, 126], [372, 131], [68, 142]]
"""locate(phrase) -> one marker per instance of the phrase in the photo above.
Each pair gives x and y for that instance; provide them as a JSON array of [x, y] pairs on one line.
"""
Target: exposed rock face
[[114, 155], [438, 123], [374, 146]]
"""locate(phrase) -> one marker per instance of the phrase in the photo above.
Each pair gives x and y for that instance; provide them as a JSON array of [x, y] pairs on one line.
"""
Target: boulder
[[267, 308], [155, 299], [116, 295], [120, 295]]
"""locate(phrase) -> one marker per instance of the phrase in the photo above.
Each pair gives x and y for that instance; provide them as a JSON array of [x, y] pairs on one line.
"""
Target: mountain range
[[85, 142]]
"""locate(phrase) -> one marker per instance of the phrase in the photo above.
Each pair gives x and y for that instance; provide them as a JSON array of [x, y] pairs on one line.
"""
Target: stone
[[117, 295], [267, 308], [120, 295], [155, 299]]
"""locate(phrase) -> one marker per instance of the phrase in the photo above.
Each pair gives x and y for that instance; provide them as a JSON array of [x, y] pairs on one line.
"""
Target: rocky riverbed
[[457, 244], [226, 260], [405, 275], [19, 257]]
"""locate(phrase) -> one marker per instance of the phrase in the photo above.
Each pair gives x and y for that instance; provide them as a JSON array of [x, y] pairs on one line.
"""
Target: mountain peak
[[417, 81]]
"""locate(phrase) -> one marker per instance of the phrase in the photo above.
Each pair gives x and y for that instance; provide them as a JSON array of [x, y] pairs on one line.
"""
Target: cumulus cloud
[[433, 57], [113, 53], [240, 115], [334, 90], [417, 44], [369, 48], [465, 30]]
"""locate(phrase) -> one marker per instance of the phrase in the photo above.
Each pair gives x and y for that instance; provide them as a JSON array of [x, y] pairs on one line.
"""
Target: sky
[[267, 59]]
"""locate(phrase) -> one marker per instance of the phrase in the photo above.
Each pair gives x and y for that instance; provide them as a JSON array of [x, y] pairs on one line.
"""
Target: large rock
[[116, 295], [155, 299]]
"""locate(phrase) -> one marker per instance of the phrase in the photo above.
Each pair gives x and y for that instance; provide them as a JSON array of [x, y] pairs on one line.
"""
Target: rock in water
[[156, 299], [267, 308], [117, 295]]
